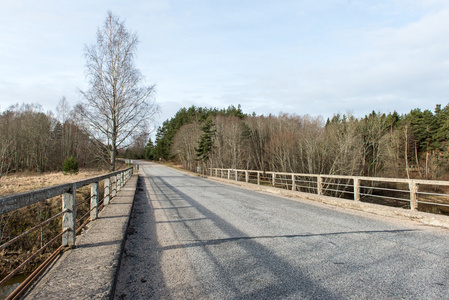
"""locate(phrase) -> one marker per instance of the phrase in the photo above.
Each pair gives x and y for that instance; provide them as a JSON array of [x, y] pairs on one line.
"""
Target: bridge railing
[[427, 195], [112, 182]]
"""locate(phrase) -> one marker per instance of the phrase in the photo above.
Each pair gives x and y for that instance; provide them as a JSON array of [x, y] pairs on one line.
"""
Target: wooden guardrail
[[113, 182], [411, 191]]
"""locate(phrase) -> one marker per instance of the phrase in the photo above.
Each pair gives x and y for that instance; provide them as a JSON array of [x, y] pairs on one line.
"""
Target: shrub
[[70, 165]]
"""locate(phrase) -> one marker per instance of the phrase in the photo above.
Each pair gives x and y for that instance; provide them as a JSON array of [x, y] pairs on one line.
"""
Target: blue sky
[[295, 56]]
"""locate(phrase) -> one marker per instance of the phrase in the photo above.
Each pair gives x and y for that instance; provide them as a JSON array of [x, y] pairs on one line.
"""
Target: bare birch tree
[[117, 104]]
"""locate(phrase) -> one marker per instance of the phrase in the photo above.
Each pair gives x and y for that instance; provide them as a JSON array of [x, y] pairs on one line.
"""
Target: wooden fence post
[[236, 175], [107, 191], [258, 178], [69, 218], [273, 177], [93, 201], [413, 187], [293, 182], [246, 176], [356, 188]]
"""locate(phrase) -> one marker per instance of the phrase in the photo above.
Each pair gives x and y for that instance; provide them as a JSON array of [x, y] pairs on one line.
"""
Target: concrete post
[[119, 181], [107, 191], [258, 178], [113, 186], [319, 183], [413, 187], [229, 174], [93, 201], [273, 176], [246, 176], [69, 218], [293, 183], [236, 176], [356, 188]]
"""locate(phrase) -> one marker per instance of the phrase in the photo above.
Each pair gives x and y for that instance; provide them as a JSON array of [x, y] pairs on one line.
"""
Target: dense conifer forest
[[413, 145]]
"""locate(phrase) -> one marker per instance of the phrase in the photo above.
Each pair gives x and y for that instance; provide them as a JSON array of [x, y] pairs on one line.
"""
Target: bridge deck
[[89, 270], [198, 239]]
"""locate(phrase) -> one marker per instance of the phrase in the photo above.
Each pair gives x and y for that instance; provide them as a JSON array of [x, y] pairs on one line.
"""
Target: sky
[[291, 56]]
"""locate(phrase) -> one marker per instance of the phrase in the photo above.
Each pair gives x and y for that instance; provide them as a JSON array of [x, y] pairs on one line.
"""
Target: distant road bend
[[192, 238]]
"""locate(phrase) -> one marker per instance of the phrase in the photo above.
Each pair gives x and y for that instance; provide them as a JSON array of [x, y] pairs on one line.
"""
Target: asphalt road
[[192, 238]]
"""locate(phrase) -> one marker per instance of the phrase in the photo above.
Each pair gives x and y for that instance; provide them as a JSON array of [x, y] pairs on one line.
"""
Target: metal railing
[[411, 193], [113, 182]]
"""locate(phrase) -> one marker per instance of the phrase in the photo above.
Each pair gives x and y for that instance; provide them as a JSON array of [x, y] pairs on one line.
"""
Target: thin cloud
[[305, 57]]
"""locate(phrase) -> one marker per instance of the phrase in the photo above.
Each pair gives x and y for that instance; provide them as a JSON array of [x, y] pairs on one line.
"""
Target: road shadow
[[289, 280], [145, 278], [202, 243], [140, 275]]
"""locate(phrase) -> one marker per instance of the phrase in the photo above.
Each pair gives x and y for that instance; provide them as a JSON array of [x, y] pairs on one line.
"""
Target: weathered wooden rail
[[113, 182], [411, 191]]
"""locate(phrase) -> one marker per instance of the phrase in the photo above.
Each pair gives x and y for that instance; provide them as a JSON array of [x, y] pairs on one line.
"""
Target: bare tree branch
[[117, 105]]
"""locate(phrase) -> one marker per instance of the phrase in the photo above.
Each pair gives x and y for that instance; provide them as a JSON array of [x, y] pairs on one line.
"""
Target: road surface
[[193, 238]]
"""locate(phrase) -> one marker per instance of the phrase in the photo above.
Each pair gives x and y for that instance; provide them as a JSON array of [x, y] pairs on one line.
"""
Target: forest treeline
[[413, 145], [31, 140], [35, 141]]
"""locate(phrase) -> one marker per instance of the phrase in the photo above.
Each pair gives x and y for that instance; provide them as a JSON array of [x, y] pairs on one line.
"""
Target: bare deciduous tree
[[184, 145], [231, 143], [117, 104]]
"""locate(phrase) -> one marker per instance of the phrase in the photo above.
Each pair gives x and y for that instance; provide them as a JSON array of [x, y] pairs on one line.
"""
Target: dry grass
[[17, 183], [27, 181]]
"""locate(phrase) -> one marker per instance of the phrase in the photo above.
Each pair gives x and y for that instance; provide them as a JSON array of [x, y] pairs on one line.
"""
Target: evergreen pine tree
[[206, 142], [148, 150]]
